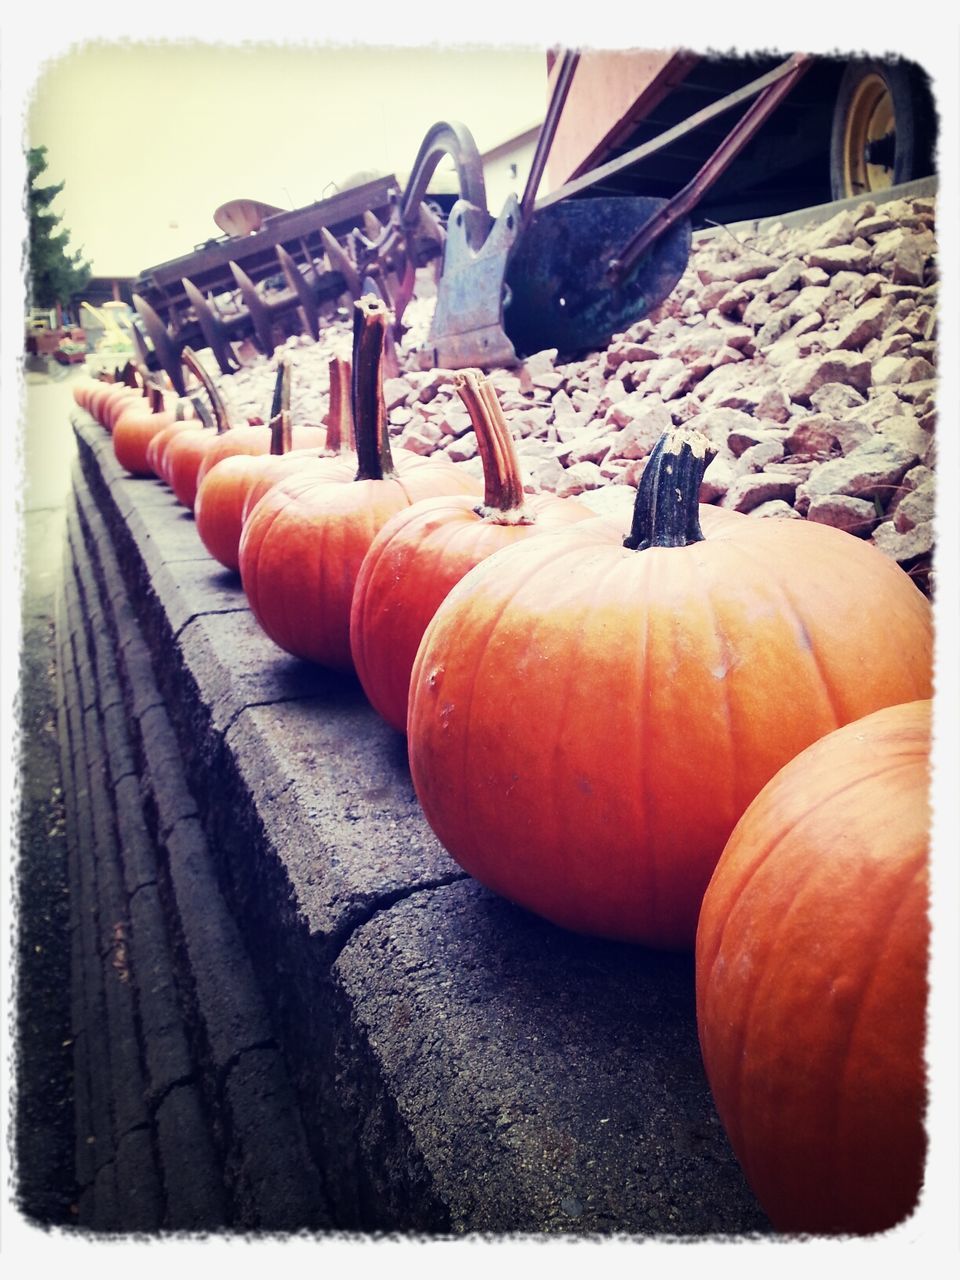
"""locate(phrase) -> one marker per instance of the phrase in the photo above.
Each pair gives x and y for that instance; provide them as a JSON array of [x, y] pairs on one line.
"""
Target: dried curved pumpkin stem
[[281, 430], [339, 418], [503, 497], [189, 358], [369, 411]]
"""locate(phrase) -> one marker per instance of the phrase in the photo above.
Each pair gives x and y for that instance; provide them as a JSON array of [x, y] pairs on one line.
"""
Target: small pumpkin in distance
[[304, 541], [106, 401], [589, 720], [156, 451], [139, 423], [103, 386], [83, 389], [185, 451], [424, 550], [811, 979]]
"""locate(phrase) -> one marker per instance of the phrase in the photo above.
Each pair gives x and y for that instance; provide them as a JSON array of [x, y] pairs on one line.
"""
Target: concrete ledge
[[459, 1065]]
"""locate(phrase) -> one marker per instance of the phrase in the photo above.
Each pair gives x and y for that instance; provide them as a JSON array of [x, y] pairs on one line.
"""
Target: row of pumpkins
[[710, 733]]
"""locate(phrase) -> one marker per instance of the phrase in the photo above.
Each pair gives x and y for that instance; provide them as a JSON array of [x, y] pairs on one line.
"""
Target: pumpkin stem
[[281, 431], [503, 499], [369, 409], [201, 411], [667, 510], [189, 358], [339, 418], [156, 397]]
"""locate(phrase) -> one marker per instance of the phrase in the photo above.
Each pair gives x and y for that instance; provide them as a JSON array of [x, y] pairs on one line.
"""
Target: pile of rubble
[[807, 356]]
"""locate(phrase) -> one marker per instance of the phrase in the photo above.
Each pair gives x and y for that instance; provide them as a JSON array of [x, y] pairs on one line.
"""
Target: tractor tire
[[884, 128]]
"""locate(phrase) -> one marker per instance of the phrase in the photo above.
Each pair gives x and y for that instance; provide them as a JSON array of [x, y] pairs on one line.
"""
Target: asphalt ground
[[42, 1102]]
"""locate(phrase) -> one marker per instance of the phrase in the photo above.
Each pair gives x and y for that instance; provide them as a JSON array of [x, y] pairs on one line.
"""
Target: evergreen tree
[[54, 273]]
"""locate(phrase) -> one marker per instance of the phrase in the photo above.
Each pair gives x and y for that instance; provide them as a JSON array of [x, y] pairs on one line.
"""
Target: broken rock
[[840, 511], [873, 469], [803, 377]]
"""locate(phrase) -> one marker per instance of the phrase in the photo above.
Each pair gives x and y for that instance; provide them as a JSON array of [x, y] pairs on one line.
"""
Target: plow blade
[[547, 285], [558, 290]]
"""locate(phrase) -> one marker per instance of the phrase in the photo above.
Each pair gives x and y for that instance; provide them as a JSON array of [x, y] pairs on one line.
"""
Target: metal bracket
[[467, 328]]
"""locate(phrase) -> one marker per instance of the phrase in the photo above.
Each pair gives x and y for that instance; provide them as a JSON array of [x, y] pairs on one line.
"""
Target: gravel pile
[[807, 355]]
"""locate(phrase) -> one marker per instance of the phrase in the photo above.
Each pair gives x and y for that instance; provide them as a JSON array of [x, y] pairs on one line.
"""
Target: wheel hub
[[870, 137]]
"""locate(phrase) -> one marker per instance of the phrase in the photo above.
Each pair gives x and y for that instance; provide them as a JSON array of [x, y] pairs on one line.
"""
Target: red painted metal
[[756, 115]]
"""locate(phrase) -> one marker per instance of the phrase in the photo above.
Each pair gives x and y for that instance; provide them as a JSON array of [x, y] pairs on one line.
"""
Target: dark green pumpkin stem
[[281, 430], [503, 499], [188, 357], [667, 510], [339, 418], [369, 410]]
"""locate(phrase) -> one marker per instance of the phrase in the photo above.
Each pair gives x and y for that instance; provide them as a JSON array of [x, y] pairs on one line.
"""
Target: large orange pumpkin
[[812, 979], [588, 720], [303, 544], [421, 552]]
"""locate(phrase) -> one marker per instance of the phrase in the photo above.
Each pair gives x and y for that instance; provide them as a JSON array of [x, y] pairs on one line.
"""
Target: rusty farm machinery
[[566, 270]]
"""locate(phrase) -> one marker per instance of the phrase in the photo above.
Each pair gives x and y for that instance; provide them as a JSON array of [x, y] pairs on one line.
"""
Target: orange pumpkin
[[588, 721], [139, 423], [156, 451], [103, 385], [811, 966], [118, 392], [83, 389], [303, 543], [185, 451], [222, 490], [339, 424], [422, 551]]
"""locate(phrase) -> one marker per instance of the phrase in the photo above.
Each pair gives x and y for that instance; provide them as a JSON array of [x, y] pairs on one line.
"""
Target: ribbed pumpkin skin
[[83, 389], [588, 723], [303, 544], [222, 491], [256, 441], [219, 503], [412, 564], [105, 403], [157, 448], [811, 979], [115, 406], [132, 434], [296, 462], [182, 460]]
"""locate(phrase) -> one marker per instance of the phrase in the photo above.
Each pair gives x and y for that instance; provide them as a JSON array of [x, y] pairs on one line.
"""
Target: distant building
[[505, 166]]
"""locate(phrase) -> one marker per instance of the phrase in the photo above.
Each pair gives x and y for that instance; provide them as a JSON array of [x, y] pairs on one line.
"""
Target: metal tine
[[339, 261], [548, 130]]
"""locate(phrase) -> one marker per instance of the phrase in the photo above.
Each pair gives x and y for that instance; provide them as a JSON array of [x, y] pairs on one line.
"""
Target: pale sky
[[150, 137]]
